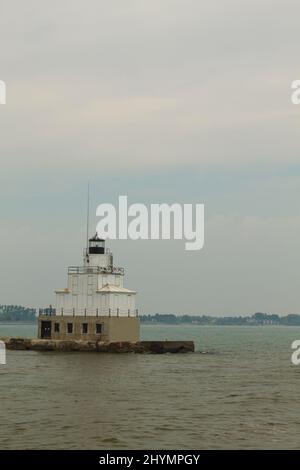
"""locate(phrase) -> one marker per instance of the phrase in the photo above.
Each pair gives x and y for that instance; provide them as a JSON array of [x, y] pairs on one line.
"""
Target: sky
[[162, 101]]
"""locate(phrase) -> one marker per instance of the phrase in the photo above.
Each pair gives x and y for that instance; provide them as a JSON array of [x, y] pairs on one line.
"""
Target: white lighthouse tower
[[95, 305]]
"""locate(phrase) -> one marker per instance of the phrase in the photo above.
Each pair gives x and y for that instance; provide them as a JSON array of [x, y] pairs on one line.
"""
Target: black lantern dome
[[96, 245]]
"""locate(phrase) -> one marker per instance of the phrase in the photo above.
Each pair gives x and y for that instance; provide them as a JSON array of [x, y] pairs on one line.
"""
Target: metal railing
[[95, 270], [92, 312]]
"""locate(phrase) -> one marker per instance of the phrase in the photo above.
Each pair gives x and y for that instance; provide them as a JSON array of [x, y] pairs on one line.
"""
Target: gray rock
[[141, 347]]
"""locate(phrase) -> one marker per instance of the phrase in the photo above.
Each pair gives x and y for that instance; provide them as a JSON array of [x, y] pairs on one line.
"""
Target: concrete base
[[142, 347], [111, 328]]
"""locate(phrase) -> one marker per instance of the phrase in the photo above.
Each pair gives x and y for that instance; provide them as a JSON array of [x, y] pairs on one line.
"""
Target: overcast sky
[[164, 101]]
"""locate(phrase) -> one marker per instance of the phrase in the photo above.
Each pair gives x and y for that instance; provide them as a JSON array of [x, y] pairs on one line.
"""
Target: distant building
[[95, 305]]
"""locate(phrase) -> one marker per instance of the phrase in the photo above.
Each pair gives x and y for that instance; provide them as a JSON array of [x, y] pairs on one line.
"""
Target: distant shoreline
[[257, 319], [17, 322], [10, 314], [212, 325], [177, 325]]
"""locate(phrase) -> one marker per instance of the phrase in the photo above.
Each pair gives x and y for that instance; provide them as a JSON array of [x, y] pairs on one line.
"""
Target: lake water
[[239, 390]]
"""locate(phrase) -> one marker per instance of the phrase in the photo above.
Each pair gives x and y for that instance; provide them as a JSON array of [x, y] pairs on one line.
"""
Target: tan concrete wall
[[124, 329], [113, 328]]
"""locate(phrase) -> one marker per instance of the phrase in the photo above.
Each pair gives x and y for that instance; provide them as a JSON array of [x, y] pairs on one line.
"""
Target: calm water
[[239, 390]]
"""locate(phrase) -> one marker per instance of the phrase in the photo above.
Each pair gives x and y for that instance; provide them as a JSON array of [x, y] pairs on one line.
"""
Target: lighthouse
[[95, 305]]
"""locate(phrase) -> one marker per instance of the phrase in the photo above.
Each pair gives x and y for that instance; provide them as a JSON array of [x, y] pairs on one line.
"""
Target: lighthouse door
[[46, 329]]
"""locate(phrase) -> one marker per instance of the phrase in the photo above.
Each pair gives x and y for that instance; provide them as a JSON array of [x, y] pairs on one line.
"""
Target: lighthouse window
[[84, 328], [70, 327], [56, 327], [98, 328]]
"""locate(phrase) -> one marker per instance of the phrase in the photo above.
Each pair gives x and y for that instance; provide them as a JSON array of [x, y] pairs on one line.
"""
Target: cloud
[[166, 100], [148, 86]]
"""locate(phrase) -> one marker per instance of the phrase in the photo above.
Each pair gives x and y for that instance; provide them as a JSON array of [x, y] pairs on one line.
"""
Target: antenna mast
[[87, 218]]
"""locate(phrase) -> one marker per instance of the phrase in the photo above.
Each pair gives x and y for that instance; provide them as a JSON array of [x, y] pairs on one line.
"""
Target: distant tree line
[[16, 313], [19, 313], [256, 319]]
